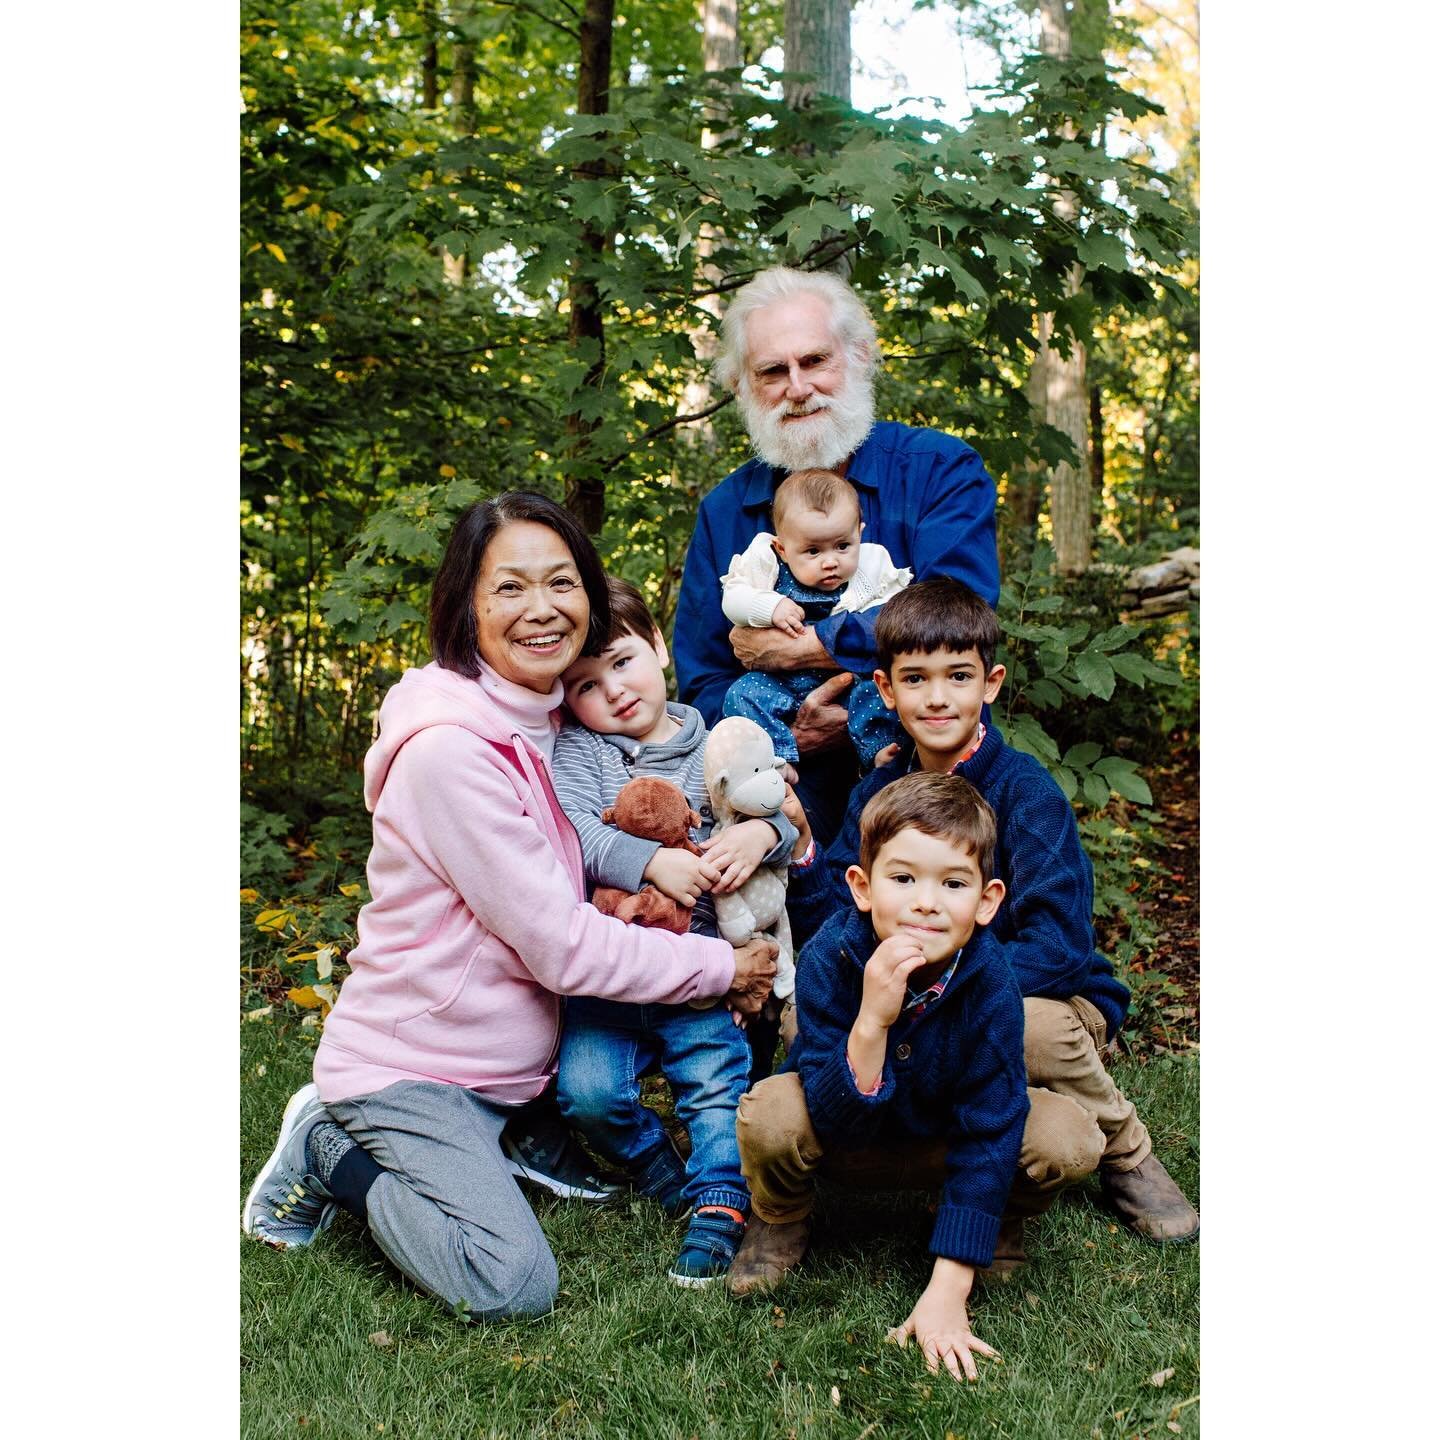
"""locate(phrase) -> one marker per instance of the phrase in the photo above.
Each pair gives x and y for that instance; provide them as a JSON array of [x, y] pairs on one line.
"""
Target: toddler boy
[[909, 1064], [814, 564], [936, 645], [626, 728]]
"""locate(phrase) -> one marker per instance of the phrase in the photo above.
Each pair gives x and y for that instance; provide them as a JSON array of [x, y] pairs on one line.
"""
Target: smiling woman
[[432, 1078]]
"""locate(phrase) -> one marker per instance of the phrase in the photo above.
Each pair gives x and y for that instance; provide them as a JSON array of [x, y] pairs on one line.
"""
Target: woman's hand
[[680, 875], [754, 974], [734, 853]]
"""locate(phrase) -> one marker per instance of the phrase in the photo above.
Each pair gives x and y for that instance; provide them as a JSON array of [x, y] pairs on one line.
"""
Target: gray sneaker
[[287, 1206]]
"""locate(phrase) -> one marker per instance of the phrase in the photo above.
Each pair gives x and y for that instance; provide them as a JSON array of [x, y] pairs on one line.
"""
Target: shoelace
[[299, 1202]]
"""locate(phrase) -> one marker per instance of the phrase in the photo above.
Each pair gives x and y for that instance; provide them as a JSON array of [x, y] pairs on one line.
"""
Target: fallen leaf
[[272, 922], [310, 1022], [259, 1070], [324, 963], [350, 891], [835, 1395], [259, 1014], [1161, 1376], [304, 996], [381, 1338], [249, 896], [1171, 1425]]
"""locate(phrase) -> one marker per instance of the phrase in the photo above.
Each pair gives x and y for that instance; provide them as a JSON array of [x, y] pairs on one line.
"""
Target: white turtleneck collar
[[532, 713]]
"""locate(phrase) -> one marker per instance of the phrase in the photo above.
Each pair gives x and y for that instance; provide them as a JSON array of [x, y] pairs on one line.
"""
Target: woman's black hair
[[453, 638]]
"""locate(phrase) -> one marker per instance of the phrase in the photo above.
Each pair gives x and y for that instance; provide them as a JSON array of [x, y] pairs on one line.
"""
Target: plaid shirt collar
[[916, 1005]]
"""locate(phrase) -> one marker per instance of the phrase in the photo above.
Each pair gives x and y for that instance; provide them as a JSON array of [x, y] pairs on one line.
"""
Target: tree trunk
[[1026, 485], [1097, 442], [817, 42], [584, 487], [462, 94], [721, 42], [1064, 376]]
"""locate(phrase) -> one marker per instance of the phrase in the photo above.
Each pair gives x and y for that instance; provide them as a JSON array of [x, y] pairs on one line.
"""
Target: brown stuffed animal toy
[[653, 809]]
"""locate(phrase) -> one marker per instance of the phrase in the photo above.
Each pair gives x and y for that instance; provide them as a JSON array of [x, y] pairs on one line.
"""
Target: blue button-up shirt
[[924, 495]]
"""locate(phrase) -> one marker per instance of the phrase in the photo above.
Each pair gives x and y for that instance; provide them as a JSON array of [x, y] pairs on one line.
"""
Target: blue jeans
[[607, 1046]]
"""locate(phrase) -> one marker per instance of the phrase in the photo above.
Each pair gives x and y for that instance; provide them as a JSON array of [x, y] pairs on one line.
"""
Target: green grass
[[1081, 1328]]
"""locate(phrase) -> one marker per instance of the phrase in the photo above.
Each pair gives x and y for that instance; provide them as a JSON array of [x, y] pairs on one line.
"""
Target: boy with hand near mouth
[[813, 565], [625, 727], [909, 1063], [936, 645]]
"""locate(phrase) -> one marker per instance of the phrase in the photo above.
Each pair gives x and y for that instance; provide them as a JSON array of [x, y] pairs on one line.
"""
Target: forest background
[[486, 245]]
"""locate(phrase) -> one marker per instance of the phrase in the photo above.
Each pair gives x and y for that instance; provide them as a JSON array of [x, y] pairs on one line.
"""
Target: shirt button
[[902, 1052]]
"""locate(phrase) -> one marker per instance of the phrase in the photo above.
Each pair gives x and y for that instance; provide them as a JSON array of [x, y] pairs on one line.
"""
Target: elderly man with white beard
[[799, 353]]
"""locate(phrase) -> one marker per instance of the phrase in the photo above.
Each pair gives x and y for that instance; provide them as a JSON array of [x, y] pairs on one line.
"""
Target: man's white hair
[[850, 320]]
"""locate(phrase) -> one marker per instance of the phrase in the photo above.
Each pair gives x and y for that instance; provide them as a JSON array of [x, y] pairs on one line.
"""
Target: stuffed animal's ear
[[719, 781], [777, 763], [692, 819], [607, 815]]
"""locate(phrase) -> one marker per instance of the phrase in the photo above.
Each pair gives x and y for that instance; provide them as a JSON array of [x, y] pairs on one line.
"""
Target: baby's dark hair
[[948, 807], [938, 614], [629, 614], [821, 490]]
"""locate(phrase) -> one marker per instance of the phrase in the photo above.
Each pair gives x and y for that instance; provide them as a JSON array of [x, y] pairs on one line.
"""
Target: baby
[[812, 565]]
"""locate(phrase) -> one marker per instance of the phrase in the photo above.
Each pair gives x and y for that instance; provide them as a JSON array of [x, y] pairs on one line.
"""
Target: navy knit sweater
[[957, 1072], [1043, 925]]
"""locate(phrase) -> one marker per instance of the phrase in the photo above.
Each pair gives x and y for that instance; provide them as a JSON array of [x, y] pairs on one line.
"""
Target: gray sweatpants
[[447, 1212]]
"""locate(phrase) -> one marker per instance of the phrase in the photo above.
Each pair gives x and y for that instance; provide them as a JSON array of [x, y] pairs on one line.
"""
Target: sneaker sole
[[298, 1101], [556, 1187], [693, 1282]]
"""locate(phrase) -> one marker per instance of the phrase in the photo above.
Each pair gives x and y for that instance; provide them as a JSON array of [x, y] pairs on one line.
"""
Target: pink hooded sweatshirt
[[478, 921]]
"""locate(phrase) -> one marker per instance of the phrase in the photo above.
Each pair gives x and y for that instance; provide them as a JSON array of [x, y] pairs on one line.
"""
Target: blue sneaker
[[662, 1178], [710, 1245], [287, 1206]]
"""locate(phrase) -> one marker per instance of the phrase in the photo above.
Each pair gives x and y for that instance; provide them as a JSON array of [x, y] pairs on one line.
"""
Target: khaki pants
[[781, 1156], [1065, 1053]]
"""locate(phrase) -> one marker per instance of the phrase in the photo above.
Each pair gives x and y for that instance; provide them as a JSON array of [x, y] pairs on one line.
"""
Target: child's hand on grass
[[680, 875], [940, 1323], [734, 853], [789, 617]]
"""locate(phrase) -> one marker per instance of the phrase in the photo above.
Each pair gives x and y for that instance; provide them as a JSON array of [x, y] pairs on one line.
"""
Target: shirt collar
[[763, 480]]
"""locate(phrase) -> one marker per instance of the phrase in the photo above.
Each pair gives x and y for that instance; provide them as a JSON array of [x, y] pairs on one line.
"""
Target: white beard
[[819, 444]]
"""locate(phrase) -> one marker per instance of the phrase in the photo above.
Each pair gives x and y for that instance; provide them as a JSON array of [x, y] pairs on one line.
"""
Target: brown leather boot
[[1009, 1250], [766, 1255], [1150, 1202]]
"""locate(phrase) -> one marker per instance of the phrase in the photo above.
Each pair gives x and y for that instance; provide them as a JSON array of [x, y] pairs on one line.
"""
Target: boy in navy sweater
[[909, 1063], [936, 644]]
